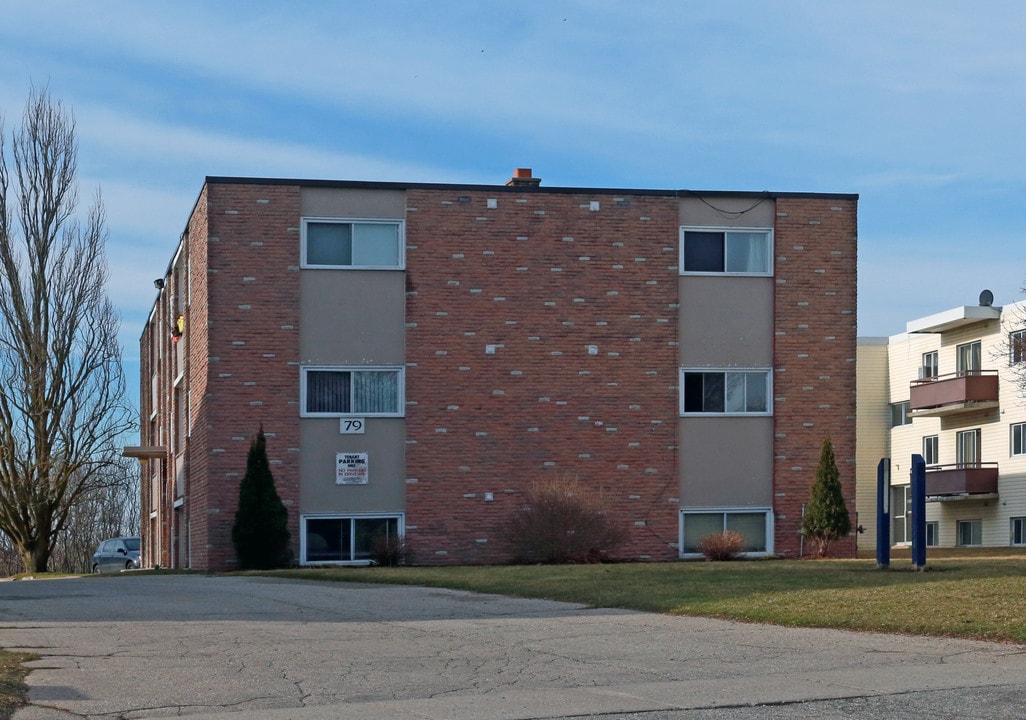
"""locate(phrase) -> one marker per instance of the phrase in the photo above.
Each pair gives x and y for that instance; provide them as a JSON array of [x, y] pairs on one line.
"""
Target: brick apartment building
[[420, 354]]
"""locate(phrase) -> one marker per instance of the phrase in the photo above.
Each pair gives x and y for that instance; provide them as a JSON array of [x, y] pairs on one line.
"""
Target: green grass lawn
[[960, 596]]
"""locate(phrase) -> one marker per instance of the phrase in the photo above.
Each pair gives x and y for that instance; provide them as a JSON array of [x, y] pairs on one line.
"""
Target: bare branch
[[62, 388]]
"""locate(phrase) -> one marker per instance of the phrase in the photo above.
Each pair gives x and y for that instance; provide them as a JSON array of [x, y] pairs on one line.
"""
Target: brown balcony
[[954, 393], [962, 479]]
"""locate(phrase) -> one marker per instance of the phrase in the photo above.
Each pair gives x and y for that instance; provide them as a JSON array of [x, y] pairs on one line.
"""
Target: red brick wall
[[814, 356], [541, 277], [250, 356], [147, 438]]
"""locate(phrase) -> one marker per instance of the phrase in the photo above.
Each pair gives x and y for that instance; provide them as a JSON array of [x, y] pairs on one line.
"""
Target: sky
[[918, 107]]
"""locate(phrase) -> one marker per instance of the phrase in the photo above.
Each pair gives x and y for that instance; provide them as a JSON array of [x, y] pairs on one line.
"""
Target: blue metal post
[[883, 513], [918, 490]]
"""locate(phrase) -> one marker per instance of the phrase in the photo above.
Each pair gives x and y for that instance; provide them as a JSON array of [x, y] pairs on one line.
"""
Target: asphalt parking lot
[[247, 648]]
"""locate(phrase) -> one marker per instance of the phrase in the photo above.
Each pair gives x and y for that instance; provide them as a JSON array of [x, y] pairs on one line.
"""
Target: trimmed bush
[[563, 521], [726, 545]]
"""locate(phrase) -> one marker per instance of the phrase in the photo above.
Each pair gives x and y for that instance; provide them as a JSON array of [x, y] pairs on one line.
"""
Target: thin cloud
[[900, 177]]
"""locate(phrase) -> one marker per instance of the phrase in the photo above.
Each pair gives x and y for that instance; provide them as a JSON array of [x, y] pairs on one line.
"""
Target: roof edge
[[385, 185]]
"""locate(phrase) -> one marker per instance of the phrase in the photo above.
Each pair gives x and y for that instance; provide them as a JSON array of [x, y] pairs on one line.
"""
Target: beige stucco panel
[[352, 317], [726, 321], [353, 203], [754, 211], [715, 472], [384, 442]]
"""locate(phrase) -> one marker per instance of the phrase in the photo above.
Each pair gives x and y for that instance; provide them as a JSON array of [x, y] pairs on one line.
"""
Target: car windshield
[[132, 544]]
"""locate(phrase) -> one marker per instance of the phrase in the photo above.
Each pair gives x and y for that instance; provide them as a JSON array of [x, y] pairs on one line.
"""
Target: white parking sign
[[351, 469]]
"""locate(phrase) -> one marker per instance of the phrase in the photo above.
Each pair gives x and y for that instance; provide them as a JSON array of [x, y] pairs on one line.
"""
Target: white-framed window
[[901, 413], [341, 391], [932, 533], [730, 251], [929, 366], [969, 358], [1017, 441], [931, 446], [755, 525], [967, 448], [352, 244], [348, 538], [1017, 531], [1016, 347], [726, 392], [901, 515], [970, 532]]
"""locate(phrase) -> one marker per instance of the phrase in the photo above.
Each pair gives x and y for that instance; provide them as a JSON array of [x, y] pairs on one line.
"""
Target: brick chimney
[[522, 178]]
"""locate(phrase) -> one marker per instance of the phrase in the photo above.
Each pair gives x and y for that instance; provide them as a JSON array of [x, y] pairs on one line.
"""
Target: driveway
[[246, 648]]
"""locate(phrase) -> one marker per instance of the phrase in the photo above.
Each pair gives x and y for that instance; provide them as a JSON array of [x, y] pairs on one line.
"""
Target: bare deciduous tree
[[1012, 349], [109, 509], [62, 388]]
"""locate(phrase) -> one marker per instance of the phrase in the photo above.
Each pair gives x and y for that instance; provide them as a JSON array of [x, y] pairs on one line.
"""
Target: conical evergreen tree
[[260, 533], [826, 515]]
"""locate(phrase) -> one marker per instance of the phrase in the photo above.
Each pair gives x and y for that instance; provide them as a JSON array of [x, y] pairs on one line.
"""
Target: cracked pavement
[[248, 648]]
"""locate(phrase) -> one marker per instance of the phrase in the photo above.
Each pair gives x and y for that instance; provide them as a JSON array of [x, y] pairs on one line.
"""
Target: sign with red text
[[351, 469]]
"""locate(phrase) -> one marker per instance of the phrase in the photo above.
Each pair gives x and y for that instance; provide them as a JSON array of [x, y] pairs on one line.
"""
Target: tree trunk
[[822, 547], [36, 558]]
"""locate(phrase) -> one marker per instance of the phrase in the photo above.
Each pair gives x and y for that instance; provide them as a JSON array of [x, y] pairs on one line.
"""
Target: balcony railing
[[962, 479], [954, 393]]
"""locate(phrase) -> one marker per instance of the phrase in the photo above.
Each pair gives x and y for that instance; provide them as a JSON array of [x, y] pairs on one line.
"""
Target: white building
[[947, 389]]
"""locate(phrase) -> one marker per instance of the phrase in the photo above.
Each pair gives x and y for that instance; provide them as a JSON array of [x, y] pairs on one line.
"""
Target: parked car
[[116, 554]]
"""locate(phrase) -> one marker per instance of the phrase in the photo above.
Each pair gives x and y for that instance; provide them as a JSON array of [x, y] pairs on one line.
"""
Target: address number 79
[[351, 426]]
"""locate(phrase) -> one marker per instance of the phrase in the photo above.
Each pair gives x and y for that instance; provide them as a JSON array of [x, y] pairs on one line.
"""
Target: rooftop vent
[[522, 178]]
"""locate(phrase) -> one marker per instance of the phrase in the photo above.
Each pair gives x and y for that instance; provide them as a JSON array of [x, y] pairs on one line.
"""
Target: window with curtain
[[969, 358], [733, 252], [332, 392], [967, 448], [329, 243]]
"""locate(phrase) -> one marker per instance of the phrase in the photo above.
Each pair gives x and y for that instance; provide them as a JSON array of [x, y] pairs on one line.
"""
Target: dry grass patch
[[13, 691]]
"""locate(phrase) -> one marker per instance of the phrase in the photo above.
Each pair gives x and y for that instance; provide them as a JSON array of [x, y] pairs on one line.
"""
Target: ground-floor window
[[753, 524], [970, 532], [901, 519], [341, 539], [1018, 531], [901, 515]]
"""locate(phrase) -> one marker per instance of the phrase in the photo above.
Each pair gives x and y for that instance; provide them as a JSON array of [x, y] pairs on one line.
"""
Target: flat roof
[[376, 185], [954, 318]]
